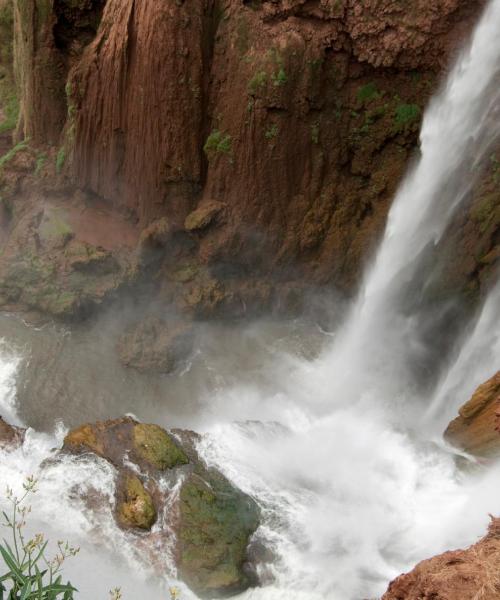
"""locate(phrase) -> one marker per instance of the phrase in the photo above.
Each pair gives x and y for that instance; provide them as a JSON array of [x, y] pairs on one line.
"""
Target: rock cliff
[[266, 138]]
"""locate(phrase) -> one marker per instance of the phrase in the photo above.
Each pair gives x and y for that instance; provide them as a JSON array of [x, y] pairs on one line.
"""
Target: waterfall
[[342, 452]]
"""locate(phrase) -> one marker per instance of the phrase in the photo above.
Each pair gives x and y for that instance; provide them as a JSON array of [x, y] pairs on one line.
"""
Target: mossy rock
[[83, 438], [216, 523], [135, 506], [153, 445]]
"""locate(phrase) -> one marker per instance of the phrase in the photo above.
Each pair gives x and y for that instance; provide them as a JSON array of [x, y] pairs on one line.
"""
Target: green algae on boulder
[[135, 506], [215, 525], [156, 447]]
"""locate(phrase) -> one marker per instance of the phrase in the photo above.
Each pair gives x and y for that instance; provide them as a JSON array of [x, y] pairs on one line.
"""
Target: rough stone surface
[[477, 428], [456, 575], [212, 520], [10, 437], [154, 345]]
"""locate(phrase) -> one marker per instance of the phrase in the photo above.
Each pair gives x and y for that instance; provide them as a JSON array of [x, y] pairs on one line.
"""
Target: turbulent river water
[[337, 434]]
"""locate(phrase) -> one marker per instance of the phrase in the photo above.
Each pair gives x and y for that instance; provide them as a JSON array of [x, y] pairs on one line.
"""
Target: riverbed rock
[[135, 506], [213, 520], [156, 345], [455, 575], [10, 437], [477, 428]]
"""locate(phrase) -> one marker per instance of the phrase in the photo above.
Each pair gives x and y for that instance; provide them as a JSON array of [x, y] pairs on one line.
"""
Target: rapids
[[334, 434]]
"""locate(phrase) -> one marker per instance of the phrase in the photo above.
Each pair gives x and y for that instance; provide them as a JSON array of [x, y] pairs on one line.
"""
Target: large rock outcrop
[[456, 575], [211, 519], [270, 136], [477, 428]]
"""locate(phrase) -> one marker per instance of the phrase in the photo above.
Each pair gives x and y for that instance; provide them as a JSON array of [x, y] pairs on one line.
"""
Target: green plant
[[30, 575], [368, 92], [406, 114], [279, 78], [7, 157], [60, 159], [41, 159], [272, 132], [259, 80], [217, 143]]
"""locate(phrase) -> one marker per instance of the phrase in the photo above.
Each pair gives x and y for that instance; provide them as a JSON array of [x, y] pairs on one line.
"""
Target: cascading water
[[354, 483]]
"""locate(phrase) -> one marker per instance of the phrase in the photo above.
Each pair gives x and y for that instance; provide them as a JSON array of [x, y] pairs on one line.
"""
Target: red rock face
[[296, 119], [459, 575]]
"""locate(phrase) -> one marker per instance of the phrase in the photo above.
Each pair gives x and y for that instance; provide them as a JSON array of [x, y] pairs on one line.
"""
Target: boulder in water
[[10, 437], [213, 520], [477, 428]]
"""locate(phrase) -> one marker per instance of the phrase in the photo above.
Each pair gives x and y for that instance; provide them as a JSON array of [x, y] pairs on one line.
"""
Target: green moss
[[155, 446], [216, 522], [137, 509], [259, 80], [484, 212], [41, 159], [60, 159], [406, 114], [368, 92], [10, 105], [272, 132], [6, 158], [217, 143], [280, 78]]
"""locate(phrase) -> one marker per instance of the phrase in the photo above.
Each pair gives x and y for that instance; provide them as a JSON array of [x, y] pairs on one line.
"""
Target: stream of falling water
[[343, 451]]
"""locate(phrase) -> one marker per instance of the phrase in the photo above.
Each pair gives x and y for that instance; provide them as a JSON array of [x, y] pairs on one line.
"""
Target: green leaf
[[12, 564], [26, 591]]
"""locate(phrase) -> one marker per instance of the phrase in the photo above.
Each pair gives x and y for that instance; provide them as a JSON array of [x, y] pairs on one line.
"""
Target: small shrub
[[217, 143], [406, 114], [30, 574], [368, 92], [280, 78], [60, 159], [259, 80], [272, 132]]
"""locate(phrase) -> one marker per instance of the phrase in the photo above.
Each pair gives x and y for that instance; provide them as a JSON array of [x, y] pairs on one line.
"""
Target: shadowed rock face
[[459, 575], [477, 428], [213, 521]]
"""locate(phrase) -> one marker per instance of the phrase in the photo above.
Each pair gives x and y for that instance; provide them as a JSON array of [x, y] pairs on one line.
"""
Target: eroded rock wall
[[296, 120]]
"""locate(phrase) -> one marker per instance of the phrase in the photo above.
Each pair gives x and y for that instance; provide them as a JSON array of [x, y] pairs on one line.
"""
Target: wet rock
[[213, 520], [10, 437], [477, 428], [458, 575], [203, 216], [215, 524], [135, 506], [154, 345], [148, 446]]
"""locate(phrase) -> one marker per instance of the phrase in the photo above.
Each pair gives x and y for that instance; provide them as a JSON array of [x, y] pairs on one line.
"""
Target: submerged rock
[[456, 575], [213, 520], [154, 345], [477, 428]]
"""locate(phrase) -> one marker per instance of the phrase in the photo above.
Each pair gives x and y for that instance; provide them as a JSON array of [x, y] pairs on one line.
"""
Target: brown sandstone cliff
[[294, 119]]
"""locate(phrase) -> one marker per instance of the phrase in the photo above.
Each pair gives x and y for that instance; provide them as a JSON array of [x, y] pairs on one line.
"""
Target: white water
[[342, 452]]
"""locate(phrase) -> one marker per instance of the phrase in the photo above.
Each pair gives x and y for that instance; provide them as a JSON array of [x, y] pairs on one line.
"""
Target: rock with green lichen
[[215, 525], [135, 507], [153, 445], [214, 521]]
